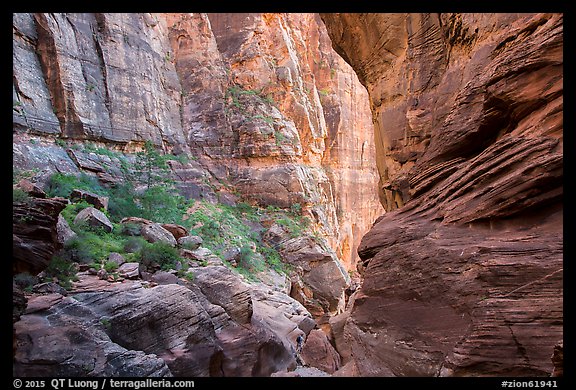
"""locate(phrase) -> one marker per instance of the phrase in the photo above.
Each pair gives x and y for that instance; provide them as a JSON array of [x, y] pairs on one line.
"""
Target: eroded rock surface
[[130, 328], [35, 233], [464, 274]]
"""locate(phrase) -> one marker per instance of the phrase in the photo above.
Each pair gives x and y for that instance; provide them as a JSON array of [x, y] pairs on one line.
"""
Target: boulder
[[286, 317], [177, 231], [321, 284], [65, 233], [232, 253], [95, 218], [163, 277], [154, 232], [98, 201], [129, 270], [116, 258], [190, 242], [200, 254], [135, 220], [224, 289], [318, 352]]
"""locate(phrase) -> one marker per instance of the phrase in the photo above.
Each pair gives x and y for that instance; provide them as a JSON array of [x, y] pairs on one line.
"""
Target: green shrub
[[71, 210], [294, 228], [110, 266], [162, 204], [20, 196], [19, 174], [62, 184], [134, 244], [25, 281], [122, 202], [105, 322], [151, 167], [92, 247], [130, 229], [63, 269], [161, 253], [250, 261], [280, 138], [296, 209], [273, 258]]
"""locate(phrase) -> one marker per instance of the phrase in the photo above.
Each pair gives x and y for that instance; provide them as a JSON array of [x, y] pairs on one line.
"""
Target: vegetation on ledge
[[233, 233]]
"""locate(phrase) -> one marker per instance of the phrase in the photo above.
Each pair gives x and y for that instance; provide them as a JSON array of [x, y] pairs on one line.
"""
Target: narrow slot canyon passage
[[233, 195]]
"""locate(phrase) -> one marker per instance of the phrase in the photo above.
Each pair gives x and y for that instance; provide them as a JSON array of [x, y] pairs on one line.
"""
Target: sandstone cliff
[[261, 101], [463, 275]]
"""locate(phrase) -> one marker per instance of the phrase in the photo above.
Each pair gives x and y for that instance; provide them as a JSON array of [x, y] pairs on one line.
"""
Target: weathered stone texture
[[465, 277]]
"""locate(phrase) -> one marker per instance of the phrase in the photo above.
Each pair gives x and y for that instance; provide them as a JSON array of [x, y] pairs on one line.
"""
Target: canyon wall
[[464, 273], [261, 102]]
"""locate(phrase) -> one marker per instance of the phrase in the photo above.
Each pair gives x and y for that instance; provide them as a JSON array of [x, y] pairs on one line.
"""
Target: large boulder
[[129, 270], [323, 277], [95, 218], [318, 352], [190, 242], [64, 231], [225, 289], [154, 232], [116, 258], [98, 201]]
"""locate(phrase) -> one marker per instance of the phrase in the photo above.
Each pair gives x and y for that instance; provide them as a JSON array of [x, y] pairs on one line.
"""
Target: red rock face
[[34, 233], [463, 275], [80, 76], [260, 102], [270, 107]]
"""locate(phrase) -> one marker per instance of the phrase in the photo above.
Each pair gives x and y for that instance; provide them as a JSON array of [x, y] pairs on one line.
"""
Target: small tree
[[151, 166]]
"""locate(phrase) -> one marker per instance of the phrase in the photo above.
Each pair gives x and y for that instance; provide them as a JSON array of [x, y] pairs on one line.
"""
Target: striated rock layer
[[272, 109], [261, 104], [132, 329], [464, 274]]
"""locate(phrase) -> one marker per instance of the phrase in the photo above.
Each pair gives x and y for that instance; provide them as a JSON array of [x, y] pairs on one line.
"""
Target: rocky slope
[[136, 328], [464, 274]]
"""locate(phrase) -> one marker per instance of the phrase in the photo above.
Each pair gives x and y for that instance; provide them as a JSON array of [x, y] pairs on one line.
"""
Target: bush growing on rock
[[134, 244], [62, 185], [25, 281], [19, 196], [159, 253], [62, 269], [92, 246]]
